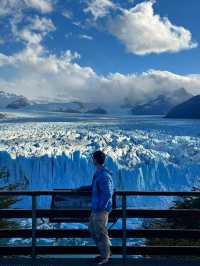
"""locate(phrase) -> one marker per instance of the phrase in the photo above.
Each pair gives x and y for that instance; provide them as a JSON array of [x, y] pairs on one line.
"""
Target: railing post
[[34, 226], [124, 250], [114, 200]]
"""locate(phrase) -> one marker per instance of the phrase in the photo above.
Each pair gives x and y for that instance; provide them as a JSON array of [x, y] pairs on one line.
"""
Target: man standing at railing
[[102, 190]]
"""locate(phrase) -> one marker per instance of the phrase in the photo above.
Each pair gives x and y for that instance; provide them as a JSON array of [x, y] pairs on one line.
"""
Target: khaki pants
[[98, 230]]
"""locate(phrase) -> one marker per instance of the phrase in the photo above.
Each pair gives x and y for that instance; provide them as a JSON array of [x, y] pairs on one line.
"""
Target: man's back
[[102, 190]]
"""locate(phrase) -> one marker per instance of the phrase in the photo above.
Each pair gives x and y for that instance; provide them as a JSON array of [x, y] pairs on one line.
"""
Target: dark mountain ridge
[[188, 109]]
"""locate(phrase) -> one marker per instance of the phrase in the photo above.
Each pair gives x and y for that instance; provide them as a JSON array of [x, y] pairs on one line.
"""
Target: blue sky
[[75, 49], [105, 53]]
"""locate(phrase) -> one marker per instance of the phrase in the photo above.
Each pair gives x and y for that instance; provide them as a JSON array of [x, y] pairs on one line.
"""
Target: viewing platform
[[123, 254]]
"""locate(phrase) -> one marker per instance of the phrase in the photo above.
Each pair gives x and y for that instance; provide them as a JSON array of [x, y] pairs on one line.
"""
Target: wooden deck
[[88, 262]]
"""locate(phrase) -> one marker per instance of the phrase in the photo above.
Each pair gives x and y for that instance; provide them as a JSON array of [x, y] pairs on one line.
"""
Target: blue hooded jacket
[[102, 190]]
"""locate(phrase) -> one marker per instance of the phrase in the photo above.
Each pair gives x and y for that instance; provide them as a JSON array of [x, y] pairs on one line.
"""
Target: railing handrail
[[118, 193], [123, 213]]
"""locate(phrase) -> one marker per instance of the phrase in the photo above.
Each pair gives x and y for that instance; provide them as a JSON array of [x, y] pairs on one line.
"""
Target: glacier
[[143, 154]]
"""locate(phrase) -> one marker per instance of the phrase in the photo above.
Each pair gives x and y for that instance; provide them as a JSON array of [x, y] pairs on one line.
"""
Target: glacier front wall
[[71, 171]]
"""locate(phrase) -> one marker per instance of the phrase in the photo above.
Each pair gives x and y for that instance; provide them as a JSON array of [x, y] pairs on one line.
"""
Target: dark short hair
[[99, 156]]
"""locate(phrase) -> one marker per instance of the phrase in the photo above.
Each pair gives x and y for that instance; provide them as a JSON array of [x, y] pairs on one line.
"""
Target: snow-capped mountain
[[20, 102], [2, 115], [161, 104], [158, 106], [13, 101], [69, 107], [188, 109]]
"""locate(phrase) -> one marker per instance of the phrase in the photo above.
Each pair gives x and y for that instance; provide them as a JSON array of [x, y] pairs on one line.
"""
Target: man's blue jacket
[[102, 190]]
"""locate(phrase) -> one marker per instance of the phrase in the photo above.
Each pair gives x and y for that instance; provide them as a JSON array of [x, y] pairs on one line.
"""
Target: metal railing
[[124, 233]]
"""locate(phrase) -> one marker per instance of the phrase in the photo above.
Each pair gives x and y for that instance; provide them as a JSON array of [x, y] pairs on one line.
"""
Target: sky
[[99, 50]]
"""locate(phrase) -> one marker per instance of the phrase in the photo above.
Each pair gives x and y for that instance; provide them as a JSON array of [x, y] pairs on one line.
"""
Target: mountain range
[[159, 105], [13, 101], [162, 104], [187, 109]]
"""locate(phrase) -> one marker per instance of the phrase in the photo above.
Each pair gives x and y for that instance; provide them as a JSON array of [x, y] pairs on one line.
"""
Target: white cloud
[[85, 36], [42, 24], [99, 8], [36, 73], [35, 31], [149, 85], [39, 73], [30, 37], [144, 32], [8, 7], [78, 24], [35, 57], [15, 11], [44, 6], [67, 14]]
